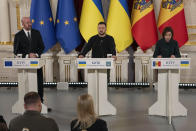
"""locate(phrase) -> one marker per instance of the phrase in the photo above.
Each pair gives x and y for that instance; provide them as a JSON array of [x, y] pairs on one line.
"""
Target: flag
[[78, 7], [172, 14], [92, 14], [144, 27], [119, 24], [42, 20], [67, 31]]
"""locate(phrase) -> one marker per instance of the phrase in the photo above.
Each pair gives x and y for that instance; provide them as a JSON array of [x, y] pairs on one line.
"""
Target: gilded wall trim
[[6, 43], [18, 17], [192, 34], [191, 26], [191, 43]]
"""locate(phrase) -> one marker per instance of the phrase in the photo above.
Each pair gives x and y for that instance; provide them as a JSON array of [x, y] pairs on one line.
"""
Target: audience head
[[26, 22], [101, 28], [3, 125], [168, 33], [85, 110], [32, 102]]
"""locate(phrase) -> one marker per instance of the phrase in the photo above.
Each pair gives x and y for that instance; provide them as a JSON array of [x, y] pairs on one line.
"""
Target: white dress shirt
[[26, 32]]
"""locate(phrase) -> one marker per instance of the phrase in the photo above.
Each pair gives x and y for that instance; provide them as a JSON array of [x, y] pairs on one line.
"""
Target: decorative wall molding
[[19, 27], [191, 26], [191, 43], [6, 43]]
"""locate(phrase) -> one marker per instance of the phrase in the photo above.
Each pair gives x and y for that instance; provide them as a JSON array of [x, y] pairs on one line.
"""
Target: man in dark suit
[[28, 43]]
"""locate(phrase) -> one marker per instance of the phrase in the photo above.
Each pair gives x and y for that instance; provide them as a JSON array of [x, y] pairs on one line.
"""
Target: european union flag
[[67, 31], [42, 20]]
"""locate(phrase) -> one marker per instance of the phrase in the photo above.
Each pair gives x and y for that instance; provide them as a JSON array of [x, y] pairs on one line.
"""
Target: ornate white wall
[[190, 48], [12, 13]]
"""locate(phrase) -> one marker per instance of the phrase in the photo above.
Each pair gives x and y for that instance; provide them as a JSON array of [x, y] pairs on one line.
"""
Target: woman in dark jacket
[[3, 125], [167, 47], [87, 120]]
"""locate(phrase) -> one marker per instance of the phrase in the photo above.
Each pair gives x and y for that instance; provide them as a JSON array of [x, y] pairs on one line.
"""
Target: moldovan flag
[[92, 14], [144, 27], [172, 14], [119, 24]]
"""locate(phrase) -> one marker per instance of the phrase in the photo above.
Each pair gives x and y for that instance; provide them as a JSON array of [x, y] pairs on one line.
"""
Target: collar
[[26, 31], [30, 112], [101, 37]]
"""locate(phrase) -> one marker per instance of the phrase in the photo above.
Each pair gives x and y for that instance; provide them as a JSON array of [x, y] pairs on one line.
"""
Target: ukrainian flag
[[34, 63], [82, 63], [119, 24], [92, 14], [184, 63]]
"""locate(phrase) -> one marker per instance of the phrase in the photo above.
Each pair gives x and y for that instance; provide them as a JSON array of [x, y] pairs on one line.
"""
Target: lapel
[[32, 36], [25, 37]]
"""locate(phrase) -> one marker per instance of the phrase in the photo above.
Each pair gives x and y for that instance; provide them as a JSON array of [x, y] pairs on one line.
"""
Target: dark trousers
[[108, 76], [40, 87]]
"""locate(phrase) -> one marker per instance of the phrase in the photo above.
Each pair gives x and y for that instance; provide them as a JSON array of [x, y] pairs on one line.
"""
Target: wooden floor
[[131, 104]]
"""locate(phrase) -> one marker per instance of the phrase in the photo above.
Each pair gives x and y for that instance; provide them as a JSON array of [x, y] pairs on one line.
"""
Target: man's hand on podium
[[159, 56], [115, 58], [32, 55], [80, 56], [173, 56]]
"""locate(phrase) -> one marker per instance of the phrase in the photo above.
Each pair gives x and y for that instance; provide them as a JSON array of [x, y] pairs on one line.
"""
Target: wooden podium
[[27, 79], [97, 82], [168, 103]]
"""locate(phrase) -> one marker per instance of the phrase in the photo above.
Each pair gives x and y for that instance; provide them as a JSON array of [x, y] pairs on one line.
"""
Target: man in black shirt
[[101, 44], [167, 47]]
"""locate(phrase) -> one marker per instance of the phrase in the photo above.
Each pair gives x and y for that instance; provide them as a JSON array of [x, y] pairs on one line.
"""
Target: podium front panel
[[24, 63], [95, 63], [170, 63]]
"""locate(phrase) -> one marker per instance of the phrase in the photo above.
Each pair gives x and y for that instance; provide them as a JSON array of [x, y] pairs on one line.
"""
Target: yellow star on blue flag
[[42, 20], [67, 30]]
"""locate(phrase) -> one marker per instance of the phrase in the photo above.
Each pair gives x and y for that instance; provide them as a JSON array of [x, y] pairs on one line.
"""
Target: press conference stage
[[132, 109]]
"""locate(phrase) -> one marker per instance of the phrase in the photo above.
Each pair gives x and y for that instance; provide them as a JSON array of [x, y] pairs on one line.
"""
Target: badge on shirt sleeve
[[25, 129]]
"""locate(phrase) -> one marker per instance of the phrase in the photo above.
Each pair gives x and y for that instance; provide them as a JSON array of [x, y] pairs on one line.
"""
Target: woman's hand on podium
[[173, 56], [80, 56], [115, 58], [159, 56]]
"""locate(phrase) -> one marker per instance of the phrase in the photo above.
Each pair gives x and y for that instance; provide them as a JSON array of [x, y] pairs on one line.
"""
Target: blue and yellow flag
[[67, 31], [42, 20], [119, 24], [92, 14]]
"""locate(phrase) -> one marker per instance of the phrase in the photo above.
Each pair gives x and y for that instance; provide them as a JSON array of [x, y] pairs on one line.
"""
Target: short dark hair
[[31, 98], [3, 125], [102, 23], [167, 29]]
